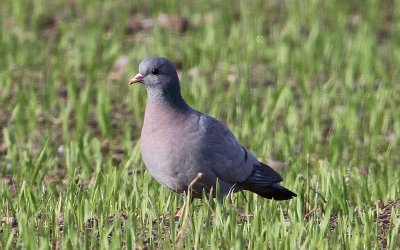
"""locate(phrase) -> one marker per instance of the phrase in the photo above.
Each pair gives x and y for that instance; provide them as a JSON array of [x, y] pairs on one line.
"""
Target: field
[[312, 87]]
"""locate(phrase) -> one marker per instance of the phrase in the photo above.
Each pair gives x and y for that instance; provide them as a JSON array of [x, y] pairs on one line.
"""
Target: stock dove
[[178, 142]]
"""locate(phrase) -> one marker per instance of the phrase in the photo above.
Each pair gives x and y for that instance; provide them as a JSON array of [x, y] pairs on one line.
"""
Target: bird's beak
[[136, 78]]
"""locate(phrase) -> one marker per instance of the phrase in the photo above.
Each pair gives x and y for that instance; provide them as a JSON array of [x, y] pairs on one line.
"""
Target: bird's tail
[[264, 182], [276, 192]]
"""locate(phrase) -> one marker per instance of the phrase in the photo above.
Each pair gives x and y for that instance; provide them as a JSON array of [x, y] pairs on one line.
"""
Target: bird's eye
[[155, 71]]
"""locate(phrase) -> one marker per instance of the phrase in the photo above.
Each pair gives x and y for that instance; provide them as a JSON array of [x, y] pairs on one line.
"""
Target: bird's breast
[[166, 145]]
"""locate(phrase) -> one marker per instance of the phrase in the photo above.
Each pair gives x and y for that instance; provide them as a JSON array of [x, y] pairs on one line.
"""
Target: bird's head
[[156, 72], [161, 80]]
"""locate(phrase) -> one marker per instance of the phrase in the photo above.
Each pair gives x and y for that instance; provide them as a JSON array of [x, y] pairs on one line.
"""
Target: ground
[[311, 87]]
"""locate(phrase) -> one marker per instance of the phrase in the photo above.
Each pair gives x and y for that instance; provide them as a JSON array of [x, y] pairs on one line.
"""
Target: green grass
[[314, 84]]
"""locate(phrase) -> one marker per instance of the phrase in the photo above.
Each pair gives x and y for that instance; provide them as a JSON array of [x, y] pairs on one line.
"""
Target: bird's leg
[[183, 232], [180, 210], [189, 198]]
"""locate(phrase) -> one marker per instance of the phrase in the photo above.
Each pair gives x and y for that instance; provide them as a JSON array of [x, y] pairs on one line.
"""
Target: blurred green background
[[311, 87]]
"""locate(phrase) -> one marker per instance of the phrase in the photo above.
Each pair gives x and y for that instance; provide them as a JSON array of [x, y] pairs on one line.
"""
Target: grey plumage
[[178, 142]]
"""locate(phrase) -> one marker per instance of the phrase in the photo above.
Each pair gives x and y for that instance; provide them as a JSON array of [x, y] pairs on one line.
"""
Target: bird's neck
[[167, 96]]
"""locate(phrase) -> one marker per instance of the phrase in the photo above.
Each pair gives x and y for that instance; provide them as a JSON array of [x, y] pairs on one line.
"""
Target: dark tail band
[[264, 182]]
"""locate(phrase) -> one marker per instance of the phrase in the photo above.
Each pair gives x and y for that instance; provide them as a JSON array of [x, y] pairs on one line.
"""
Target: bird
[[179, 144]]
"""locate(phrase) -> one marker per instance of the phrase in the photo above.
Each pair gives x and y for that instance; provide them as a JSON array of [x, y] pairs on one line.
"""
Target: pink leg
[[179, 212]]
